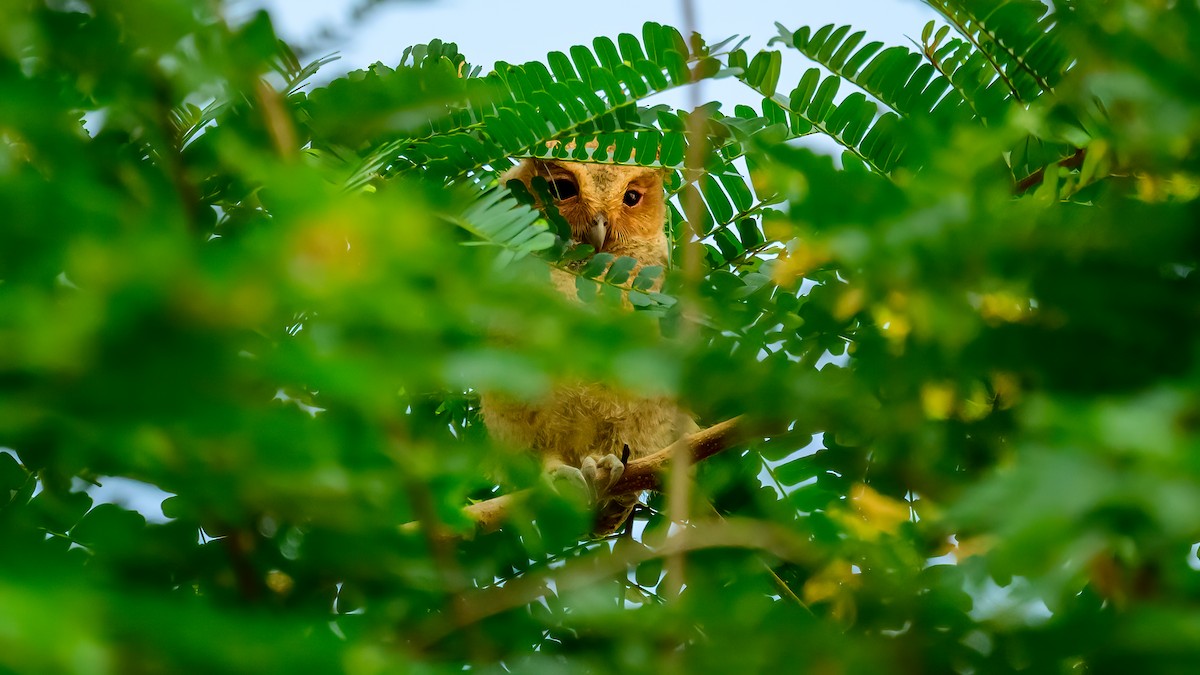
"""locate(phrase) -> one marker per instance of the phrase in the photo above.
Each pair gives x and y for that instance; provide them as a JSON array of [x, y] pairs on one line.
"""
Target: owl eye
[[632, 197], [563, 189]]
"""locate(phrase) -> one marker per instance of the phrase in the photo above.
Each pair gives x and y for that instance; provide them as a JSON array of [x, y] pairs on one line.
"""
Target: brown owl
[[580, 426]]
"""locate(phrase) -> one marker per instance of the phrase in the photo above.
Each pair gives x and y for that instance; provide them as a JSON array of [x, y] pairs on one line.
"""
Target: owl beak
[[598, 232]]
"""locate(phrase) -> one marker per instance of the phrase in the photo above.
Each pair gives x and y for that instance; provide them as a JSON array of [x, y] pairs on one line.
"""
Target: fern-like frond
[[1008, 55], [189, 120], [854, 123], [294, 74], [613, 278], [1017, 38], [990, 93], [969, 72], [896, 76], [514, 110], [496, 218]]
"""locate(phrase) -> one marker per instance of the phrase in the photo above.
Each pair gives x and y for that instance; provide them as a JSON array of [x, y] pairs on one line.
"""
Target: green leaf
[[12, 475], [618, 273], [718, 204], [631, 49], [607, 51], [108, 527], [596, 266], [646, 277], [676, 67], [561, 66]]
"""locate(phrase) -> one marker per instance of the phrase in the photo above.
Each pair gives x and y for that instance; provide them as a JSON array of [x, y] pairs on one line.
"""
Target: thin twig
[[454, 580], [584, 571], [784, 589], [249, 585], [679, 478], [962, 30], [278, 122], [1074, 161]]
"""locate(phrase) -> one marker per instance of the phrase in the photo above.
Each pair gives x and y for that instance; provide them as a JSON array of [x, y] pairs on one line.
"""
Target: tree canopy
[[959, 356]]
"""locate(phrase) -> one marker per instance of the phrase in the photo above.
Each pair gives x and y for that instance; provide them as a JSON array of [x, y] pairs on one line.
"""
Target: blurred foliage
[[969, 344]]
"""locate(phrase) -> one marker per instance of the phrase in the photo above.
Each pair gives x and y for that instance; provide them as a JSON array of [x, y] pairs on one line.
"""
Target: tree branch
[[1032, 180], [641, 474], [779, 541]]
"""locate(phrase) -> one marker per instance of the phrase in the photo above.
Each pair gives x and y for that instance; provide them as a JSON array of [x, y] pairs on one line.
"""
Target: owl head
[[615, 208]]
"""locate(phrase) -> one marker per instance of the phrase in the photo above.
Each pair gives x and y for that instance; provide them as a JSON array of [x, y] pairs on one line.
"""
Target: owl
[[581, 426]]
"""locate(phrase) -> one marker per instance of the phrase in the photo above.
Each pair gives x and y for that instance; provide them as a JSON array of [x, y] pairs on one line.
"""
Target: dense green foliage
[[966, 347]]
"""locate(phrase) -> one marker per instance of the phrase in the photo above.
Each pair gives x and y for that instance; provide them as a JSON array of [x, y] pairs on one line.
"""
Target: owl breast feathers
[[619, 210]]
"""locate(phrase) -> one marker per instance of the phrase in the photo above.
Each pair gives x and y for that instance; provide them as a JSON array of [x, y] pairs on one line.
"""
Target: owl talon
[[564, 474], [591, 463], [586, 479]]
